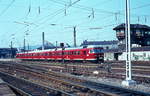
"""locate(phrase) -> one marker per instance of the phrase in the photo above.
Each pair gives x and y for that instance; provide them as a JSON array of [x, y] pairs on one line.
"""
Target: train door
[[84, 54]]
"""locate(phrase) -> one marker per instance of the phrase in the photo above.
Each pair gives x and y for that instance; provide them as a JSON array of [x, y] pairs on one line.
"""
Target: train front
[[97, 53]]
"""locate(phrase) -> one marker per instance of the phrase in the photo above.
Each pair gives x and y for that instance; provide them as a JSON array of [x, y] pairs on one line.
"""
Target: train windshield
[[95, 50]]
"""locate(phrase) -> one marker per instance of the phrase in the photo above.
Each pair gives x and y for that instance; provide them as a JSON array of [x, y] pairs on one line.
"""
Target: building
[[7, 52], [105, 44], [140, 41], [140, 34]]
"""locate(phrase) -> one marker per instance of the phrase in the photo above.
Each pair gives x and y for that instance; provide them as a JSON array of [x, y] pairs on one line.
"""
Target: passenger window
[[84, 52], [78, 52]]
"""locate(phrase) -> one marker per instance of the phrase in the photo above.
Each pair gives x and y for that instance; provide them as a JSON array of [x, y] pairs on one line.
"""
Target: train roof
[[59, 49]]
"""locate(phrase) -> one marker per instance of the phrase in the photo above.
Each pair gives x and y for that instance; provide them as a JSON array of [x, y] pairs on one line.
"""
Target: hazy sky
[[94, 20]]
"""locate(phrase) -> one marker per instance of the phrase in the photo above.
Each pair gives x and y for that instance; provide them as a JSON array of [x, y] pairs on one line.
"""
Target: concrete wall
[[109, 56], [136, 56]]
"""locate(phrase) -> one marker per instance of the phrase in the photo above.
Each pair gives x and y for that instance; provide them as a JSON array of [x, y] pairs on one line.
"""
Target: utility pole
[[28, 47], [24, 44], [62, 46], [43, 39], [56, 44], [128, 80], [11, 46], [74, 35]]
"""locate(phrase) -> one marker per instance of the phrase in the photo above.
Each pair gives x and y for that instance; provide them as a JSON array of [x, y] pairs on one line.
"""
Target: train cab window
[[95, 50], [91, 51]]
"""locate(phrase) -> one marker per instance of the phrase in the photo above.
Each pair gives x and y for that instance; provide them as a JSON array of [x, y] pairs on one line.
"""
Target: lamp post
[[128, 81]]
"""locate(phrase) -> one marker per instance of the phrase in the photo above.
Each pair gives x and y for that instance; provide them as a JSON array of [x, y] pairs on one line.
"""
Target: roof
[[135, 49], [6, 49], [99, 42], [133, 26], [58, 49]]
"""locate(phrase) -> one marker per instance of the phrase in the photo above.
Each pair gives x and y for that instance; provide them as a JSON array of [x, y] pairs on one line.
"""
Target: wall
[[136, 56], [109, 56]]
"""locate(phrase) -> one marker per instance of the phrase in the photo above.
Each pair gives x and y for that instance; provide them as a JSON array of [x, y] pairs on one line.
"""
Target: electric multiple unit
[[79, 53]]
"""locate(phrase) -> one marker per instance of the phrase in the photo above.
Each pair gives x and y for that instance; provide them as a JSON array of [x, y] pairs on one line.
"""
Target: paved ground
[[9, 59], [116, 82]]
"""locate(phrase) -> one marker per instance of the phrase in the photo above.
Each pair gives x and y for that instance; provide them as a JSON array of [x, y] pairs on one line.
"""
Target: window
[[138, 33], [78, 52], [148, 42], [91, 51], [84, 52], [107, 47], [95, 51], [122, 31], [146, 33]]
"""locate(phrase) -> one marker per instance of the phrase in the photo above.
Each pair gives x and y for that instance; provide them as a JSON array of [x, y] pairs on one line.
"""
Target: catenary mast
[[128, 80]]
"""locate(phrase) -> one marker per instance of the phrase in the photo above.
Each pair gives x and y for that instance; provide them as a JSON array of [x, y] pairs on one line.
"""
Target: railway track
[[71, 88], [140, 73], [29, 88], [71, 84]]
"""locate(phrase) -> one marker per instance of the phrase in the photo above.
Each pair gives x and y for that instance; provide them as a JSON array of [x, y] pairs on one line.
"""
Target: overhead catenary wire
[[39, 8], [55, 13], [142, 6], [48, 18], [7, 7], [63, 9], [82, 7], [65, 4]]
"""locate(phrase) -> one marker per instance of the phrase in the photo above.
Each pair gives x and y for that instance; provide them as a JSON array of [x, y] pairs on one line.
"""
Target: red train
[[81, 54]]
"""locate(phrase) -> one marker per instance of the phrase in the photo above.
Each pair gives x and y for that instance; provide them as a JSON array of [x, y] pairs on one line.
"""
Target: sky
[[94, 20]]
